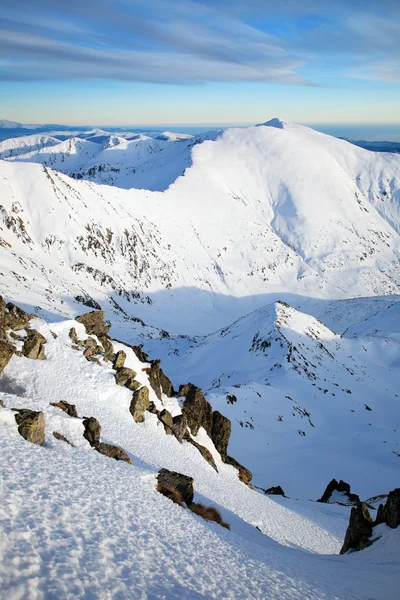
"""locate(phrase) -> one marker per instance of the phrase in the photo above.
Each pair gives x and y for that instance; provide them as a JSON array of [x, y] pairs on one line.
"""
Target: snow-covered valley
[[262, 266]]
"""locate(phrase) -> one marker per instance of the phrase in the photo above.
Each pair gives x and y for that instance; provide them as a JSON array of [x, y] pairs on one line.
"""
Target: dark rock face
[[94, 323], [359, 530], [31, 425], [126, 377], [33, 345], [92, 431], [119, 360], [182, 483], [390, 512], [159, 381], [206, 454], [343, 489], [70, 409], [114, 452], [139, 403], [166, 418], [245, 475], [197, 410], [220, 432], [6, 351], [179, 426], [275, 491]]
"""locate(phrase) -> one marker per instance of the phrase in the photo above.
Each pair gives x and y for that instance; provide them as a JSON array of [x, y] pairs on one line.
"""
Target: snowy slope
[[25, 144], [79, 524]]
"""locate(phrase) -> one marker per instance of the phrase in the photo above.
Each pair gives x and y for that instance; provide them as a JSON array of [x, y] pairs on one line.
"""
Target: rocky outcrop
[[68, 408], [92, 431], [114, 452], [245, 475], [139, 403], [160, 383], [15, 318], [119, 360], [34, 345], [182, 483], [206, 454], [179, 426], [31, 425], [220, 432], [390, 512], [126, 377], [359, 530], [339, 492], [197, 410], [94, 323]]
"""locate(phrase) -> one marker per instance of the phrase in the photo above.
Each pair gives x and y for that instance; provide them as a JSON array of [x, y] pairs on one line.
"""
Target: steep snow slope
[[262, 213], [75, 523]]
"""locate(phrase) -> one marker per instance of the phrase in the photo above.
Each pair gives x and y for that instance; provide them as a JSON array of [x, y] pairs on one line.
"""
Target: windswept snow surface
[[77, 524]]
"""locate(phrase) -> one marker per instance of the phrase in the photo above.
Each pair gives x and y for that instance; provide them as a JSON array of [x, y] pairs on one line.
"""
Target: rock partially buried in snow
[[179, 426], [92, 431], [166, 418], [160, 383], [139, 403], [182, 483], [119, 360], [197, 410], [114, 452], [359, 530], [275, 491], [68, 408], [33, 345], [221, 432], [206, 454], [126, 377], [339, 492], [31, 425], [245, 475]]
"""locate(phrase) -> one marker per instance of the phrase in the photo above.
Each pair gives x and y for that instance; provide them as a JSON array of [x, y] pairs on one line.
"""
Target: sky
[[200, 62]]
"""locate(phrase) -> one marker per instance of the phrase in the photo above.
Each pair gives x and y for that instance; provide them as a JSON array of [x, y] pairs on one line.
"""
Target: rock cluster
[[343, 490]]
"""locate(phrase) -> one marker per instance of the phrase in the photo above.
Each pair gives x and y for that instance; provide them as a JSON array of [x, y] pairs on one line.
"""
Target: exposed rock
[[153, 409], [182, 483], [139, 403], [91, 353], [15, 318], [339, 491], [359, 530], [70, 409], [166, 418], [197, 410], [89, 343], [390, 512], [171, 494], [108, 347], [60, 437], [94, 323], [158, 380], [206, 454], [119, 360], [33, 345], [6, 351], [245, 475], [275, 491], [31, 425], [92, 431], [88, 301], [220, 432], [179, 426], [2, 403], [231, 398], [73, 335], [114, 452], [126, 377]]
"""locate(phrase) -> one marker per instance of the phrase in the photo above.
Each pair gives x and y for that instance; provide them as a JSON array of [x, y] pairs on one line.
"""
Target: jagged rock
[[166, 418], [31, 425], [359, 529], [119, 360], [6, 351], [179, 426], [33, 345], [73, 335], [114, 452], [15, 318], [158, 380], [153, 409], [197, 410], [339, 491], [390, 512], [62, 438], [275, 491], [182, 483], [70, 409], [245, 475], [126, 377], [88, 301], [108, 347], [92, 431], [94, 323], [139, 403], [220, 432], [89, 343], [206, 454], [91, 353]]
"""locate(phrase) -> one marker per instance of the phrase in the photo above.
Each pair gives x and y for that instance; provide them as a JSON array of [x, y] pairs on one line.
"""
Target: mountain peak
[[275, 122]]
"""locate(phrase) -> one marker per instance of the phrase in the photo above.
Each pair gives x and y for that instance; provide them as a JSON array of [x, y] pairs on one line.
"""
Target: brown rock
[[197, 410], [108, 347], [119, 360], [245, 475], [114, 452], [92, 431], [31, 425], [15, 318], [61, 438], [220, 432], [166, 418], [70, 409], [126, 377], [94, 323], [179, 426], [33, 345], [139, 403], [182, 483], [6, 351], [73, 335], [359, 530]]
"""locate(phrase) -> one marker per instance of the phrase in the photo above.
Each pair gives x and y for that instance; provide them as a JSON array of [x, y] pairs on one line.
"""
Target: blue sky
[[144, 62]]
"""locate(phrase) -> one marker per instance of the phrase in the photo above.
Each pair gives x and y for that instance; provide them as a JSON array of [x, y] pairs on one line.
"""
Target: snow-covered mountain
[[260, 264]]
